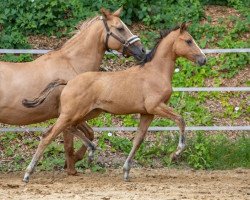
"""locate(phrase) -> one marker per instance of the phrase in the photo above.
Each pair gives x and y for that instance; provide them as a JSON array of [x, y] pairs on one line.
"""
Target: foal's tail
[[43, 95]]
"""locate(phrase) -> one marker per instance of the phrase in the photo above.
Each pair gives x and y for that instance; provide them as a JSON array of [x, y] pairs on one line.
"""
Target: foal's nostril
[[205, 61], [143, 50], [202, 60]]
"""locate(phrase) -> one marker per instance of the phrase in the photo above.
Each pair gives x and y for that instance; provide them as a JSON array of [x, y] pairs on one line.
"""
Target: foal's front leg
[[47, 138], [145, 121], [163, 111]]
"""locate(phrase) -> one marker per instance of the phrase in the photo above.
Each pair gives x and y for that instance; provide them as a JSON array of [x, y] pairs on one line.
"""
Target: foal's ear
[[183, 27], [118, 12], [105, 13]]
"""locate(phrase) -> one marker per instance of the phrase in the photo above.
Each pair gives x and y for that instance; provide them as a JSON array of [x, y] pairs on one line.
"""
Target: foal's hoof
[[126, 175], [91, 155], [174, 157], [90, 159], [26, 178]]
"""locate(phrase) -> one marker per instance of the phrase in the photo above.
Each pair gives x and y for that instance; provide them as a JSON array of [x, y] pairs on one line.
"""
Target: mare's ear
[[183, 27], [118, 12], [105, 13]]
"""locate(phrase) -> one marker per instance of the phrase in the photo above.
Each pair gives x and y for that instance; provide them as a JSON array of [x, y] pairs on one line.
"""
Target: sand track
[[145, 184]]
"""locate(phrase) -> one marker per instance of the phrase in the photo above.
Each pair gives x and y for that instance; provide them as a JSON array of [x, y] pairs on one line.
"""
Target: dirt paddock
[[145, 184]]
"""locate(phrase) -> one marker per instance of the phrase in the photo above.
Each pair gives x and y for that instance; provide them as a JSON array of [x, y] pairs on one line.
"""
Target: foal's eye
[[189, 42]]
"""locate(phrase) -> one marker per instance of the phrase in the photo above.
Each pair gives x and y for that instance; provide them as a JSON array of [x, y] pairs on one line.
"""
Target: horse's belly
[[124, 108], [15, 113], [25, 119], [25, 116]]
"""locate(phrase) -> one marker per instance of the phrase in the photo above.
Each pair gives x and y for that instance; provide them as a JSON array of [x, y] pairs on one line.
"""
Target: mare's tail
[[43, 95]]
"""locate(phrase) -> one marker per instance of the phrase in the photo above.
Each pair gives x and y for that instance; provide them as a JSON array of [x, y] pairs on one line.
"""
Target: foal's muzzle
[[201, 60]]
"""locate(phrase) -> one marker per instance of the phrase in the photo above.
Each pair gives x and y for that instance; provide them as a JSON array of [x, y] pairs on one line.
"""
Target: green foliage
[[43, 17], [198, 153], [117, 143], [16, 58], [218, 152], [13, 40]]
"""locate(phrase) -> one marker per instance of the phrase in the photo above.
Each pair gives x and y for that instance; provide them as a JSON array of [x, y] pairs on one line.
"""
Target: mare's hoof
[[72, 172], [65, 165]]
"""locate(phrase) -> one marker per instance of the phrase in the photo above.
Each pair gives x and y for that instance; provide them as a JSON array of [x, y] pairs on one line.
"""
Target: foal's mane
[[150, 55], [81, 27]]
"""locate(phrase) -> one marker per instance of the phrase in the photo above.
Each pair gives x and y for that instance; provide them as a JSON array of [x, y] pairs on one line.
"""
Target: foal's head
[[118, 37], [185, 46]]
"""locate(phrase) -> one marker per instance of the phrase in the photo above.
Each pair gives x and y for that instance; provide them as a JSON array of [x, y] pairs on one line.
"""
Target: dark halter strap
[[125, 43]]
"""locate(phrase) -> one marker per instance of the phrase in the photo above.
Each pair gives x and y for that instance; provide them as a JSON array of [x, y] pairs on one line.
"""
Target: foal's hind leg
[[167, 112], [71, 157], [87, 143], [145, 121], [89, 133], [45, 141], [68, 144]]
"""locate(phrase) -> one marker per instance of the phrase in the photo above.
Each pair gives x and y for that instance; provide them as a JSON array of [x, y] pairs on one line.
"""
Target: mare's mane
[[82, 26]]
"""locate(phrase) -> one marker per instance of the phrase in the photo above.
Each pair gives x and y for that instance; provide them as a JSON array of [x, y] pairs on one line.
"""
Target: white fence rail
[[189, 89], [212, 89], [43, 51], [152, 129]]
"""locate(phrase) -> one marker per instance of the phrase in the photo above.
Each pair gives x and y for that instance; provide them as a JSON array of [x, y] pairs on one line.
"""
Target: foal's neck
[[86, 50], [164, 58]]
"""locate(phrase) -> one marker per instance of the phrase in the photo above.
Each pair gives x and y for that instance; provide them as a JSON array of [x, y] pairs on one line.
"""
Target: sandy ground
[[144, 184]]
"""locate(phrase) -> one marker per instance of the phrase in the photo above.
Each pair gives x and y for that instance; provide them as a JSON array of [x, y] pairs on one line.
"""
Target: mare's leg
[[167, 112], [46, 139], [145, 121], [68, 139]]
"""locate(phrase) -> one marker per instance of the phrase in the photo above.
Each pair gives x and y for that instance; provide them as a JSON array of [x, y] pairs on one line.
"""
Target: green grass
[[203, 152]]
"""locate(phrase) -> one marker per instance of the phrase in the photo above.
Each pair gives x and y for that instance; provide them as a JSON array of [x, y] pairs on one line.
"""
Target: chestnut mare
[[82, 53], [141, 89]]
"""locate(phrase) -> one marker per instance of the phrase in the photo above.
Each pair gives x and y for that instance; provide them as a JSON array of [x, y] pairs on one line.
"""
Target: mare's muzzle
[[129, 47], [137, 51]]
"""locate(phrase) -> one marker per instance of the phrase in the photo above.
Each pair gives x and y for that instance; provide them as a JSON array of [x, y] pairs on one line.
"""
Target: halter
[[125, 43]]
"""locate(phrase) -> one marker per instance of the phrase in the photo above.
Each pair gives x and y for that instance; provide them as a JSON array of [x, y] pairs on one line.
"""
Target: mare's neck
[[164, 58], [86, 50]]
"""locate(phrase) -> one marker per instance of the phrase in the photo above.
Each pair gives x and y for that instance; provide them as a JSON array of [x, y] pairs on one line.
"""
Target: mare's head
[[185, 46], [118, 37]]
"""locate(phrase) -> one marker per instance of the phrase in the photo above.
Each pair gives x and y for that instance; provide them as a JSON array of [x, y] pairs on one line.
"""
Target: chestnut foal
[[143, 89]]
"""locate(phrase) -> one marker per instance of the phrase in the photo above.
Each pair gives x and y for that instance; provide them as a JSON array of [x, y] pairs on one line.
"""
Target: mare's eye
[[189, 42], [120, 28]]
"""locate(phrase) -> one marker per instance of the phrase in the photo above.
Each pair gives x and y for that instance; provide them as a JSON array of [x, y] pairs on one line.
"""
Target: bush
[[13, 40], [47, 17], [41, 17]]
